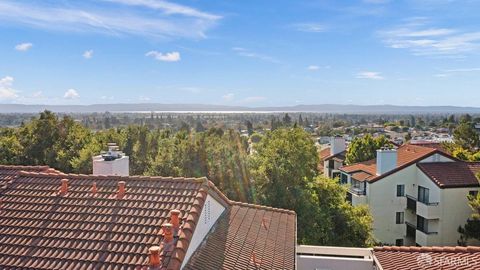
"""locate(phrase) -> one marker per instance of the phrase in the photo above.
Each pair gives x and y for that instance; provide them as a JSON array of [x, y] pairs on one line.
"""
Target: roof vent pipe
[[167, 233], [64, 187], [174, 219], [121, 189], [94, 188], [154, 256]]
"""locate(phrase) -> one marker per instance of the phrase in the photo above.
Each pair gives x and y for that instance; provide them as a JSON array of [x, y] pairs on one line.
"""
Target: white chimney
[[337, 145], [112, 162], [386, 160]]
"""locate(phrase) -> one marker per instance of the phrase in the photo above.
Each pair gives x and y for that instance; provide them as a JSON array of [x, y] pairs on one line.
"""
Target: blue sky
[[240, 52]]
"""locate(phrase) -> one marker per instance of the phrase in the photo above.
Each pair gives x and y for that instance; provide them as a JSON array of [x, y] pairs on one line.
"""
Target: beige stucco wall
[[452, 209], [384, 203], [455, 212]]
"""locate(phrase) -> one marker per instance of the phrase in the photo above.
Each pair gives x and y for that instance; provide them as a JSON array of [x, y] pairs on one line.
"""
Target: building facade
[[417, 195]]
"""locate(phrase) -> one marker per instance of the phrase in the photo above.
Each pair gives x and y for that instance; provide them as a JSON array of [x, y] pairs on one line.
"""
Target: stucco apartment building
[[417, 195]]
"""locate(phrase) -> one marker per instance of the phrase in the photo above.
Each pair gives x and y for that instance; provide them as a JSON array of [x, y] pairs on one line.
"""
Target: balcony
[[428, 210], [425, 238], [411, 230], [411, 203], [358, 191]]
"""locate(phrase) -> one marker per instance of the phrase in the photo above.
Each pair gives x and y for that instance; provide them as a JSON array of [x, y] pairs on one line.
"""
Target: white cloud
[[71, 94], [247, 53], [6, 90], [166, 57], [37, 94], [144, 98], [228, 97], [174, 22], [313, 67], [107, 97], [463, 70], [421, 39], [310, 27], [88, 54], [23, 47], [371, 75], [168, 8]]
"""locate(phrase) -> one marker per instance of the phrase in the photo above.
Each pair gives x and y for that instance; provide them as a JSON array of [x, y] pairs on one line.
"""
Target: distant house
[[417, 195], [333, 157]]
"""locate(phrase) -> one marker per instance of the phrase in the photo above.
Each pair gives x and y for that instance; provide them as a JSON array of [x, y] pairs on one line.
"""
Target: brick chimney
[[167, 233], [64, 186], [154, 261], [121, 189], [175, 221], [94, 188]]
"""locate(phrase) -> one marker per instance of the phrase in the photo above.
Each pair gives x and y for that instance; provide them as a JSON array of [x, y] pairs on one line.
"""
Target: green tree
[[284, 173], [472, 228], [285, 162], [10, 147], [365, 148], [466, 136], [335, 221]]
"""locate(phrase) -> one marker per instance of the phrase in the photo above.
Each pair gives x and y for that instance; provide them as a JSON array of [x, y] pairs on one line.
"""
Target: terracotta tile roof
[[339, 157], [446, 258], [428, 144], [362, 176], [452, 174], [324, 153], [42, 229], [8, 172], [264, 233], [407, 155]]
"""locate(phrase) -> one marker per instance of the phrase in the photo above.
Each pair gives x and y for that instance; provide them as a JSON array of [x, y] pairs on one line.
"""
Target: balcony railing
[[358, 191], [426, 232], [429, 203]]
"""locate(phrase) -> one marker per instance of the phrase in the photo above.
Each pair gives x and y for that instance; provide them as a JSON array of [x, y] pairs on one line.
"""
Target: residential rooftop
[[60, 221]]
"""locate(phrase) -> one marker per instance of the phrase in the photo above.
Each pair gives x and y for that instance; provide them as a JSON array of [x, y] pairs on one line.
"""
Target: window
[[473, 193], [399, 218], [399, 242], [344, 179], [423, 194], [400, 190], [422, 224], [331, 164]]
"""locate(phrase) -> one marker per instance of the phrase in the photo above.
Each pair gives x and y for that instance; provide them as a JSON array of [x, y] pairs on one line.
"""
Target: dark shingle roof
[[410, 258], [452, 174]]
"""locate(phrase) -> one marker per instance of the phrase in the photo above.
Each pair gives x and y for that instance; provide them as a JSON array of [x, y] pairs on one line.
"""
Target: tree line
[[281, 172]]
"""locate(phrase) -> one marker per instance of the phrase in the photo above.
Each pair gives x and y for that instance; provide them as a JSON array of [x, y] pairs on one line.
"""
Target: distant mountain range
[[320, 108]]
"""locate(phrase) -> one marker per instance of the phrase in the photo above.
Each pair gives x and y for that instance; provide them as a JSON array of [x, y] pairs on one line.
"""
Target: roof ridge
[[46, 167], [263, 207], [450, 249], [109, 177], [187, 230]]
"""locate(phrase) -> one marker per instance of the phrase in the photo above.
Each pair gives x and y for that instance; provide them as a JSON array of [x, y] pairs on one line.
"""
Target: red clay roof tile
[[406, 155], [452, 174], [447, 258], [41, 229]]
